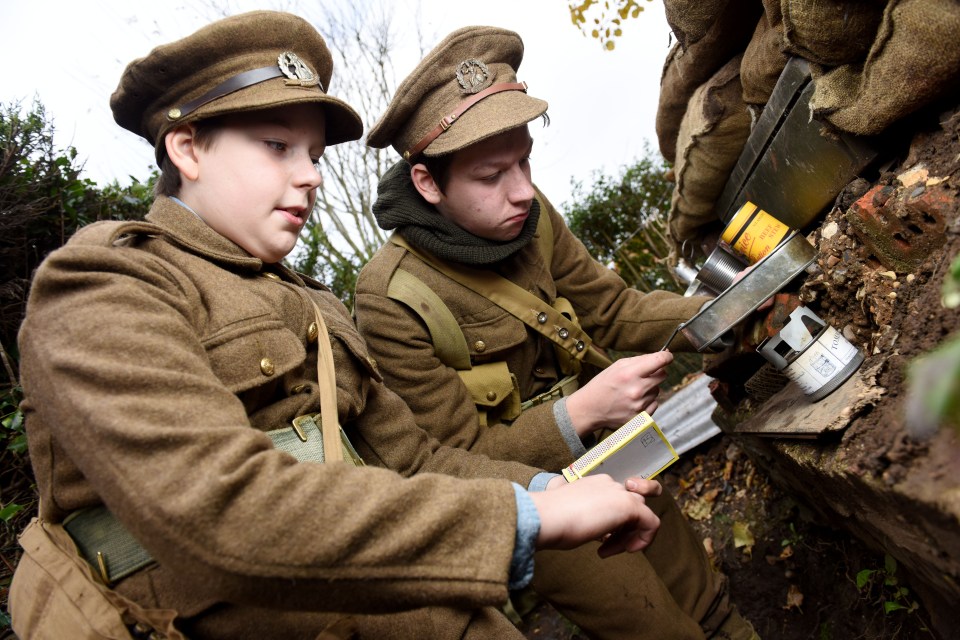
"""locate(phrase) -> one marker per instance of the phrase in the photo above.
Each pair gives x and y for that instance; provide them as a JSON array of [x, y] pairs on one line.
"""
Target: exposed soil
[[793, 577]]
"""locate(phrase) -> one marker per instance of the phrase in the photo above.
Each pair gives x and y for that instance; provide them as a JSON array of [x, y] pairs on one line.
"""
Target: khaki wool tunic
[[612, 314], [667, 592], [151, 366]]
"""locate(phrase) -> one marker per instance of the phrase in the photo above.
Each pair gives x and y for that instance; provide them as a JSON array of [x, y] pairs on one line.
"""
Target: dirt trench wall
[[904, 520], [884, 250]]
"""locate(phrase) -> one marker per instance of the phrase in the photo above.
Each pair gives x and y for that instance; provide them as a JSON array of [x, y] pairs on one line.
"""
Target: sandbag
[[691, 19], [687, 68], [914, 60], [714, 129], [763, 60], [830, 32]]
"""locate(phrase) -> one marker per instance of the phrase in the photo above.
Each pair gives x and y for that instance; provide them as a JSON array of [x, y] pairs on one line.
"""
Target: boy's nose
[[307, 173], [521, 186]]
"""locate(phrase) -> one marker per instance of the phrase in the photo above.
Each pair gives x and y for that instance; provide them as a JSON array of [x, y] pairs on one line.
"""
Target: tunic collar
[[185, 229]]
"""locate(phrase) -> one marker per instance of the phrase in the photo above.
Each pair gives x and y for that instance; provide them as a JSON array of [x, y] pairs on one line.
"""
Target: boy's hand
[[597, 507], [619, 392]]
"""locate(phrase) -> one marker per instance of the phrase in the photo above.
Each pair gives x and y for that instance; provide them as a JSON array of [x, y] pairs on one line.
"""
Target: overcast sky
[[70, 55]]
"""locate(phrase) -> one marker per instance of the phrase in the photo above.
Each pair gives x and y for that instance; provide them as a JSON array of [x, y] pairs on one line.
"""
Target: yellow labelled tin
[[753, 233]]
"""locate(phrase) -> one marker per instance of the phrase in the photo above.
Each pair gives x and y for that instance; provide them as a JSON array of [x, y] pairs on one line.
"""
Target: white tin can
[[812, 353]]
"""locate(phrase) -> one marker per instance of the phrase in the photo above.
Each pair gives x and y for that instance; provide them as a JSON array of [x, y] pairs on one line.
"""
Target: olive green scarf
[[399, 206]]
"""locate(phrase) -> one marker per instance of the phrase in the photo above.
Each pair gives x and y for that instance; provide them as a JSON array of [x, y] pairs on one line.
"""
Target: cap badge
[[297, 70], [473, 76]]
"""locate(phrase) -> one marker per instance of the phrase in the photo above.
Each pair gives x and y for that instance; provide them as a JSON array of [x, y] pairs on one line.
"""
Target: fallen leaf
[[794, 598], [742, 536], [698, 509], [728, 470]]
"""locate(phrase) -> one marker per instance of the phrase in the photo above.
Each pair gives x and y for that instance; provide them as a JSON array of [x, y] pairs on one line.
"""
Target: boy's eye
[[276, 145]]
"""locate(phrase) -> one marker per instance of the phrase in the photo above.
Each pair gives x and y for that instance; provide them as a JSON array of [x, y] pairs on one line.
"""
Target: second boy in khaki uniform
[[465, 210]]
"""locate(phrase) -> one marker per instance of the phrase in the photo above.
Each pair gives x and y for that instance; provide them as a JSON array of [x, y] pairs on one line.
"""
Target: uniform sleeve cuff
[[565, 424], [528, 528]]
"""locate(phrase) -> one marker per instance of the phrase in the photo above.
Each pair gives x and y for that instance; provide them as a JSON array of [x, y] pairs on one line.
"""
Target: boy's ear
[[425, 183], [181, 148]]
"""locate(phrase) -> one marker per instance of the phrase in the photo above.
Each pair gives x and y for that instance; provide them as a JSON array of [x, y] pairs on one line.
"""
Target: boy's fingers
[[649, 488]]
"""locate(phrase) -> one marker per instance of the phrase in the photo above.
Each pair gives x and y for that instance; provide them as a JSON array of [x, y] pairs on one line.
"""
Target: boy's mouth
[[296, 215]]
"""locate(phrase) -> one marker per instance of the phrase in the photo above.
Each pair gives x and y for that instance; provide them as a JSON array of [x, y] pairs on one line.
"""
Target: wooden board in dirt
[[791, 414]]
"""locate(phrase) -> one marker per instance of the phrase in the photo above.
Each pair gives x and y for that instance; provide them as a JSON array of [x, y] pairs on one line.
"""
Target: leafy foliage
[[43, 201], [933, 391], [884, 585], [622, 222], [606, 25]]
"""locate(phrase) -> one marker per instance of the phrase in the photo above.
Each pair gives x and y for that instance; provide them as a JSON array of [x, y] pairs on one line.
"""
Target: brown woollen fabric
[[432, 91], [199, 355], [173, 74]]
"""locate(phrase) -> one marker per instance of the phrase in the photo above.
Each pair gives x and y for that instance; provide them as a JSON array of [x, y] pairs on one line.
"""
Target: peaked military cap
[[463, 91], [246, 62]]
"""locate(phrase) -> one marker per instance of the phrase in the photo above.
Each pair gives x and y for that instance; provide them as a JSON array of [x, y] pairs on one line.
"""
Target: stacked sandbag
[[830, 32], [913, 60], [715, 127], [690, 20], [720, 31], [764, 58], [872, 62]]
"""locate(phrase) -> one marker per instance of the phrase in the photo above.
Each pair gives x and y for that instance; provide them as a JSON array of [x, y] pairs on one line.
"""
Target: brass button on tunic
[[266, 367]]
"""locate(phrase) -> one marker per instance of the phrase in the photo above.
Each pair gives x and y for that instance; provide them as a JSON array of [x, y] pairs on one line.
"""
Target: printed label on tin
[[824, 358], [753, 233]]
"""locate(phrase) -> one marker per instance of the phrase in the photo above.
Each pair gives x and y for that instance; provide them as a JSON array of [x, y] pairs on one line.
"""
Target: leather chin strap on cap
[[237, 82], [446, 121]]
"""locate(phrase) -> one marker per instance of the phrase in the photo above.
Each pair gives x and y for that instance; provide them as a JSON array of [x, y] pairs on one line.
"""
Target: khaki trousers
[[435, 623], [668, 591]]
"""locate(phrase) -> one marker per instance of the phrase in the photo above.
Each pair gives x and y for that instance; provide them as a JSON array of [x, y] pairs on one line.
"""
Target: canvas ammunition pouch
[[56, 594], [61, 587], [494, 389]]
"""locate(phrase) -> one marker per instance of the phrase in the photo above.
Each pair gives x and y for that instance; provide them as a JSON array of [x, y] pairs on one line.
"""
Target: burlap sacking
[[913, 61], [764, 58], [830, 32], [687, 68], [714, 129], [690, 20]]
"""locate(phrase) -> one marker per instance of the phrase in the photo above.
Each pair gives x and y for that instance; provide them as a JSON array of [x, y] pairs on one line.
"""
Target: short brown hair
[[170, 181], [439, 168]]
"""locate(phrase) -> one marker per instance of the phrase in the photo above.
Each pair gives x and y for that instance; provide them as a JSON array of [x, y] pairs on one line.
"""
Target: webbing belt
[[561, 389]]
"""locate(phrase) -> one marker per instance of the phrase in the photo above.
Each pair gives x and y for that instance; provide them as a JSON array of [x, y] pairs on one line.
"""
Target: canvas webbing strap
[[327, 379], [448, 341], [519, 302], [114, 553]]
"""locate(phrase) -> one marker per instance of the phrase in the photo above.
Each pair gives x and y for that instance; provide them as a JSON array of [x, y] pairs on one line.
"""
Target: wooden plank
[[790, 413]]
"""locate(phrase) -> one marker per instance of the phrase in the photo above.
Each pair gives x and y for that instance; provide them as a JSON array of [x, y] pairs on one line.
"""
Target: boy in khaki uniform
[[185, 395], [469, 225]]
